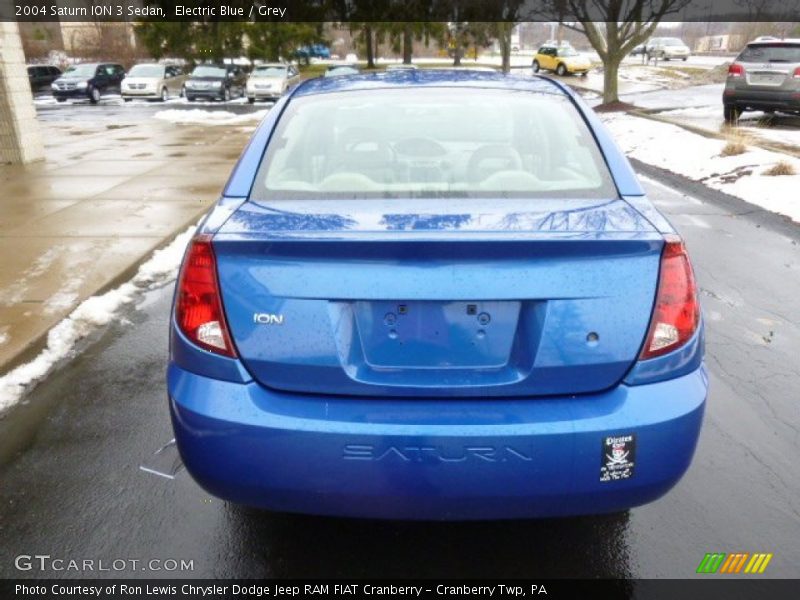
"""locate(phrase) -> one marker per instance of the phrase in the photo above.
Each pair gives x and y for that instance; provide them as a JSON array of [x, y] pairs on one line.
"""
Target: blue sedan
[[436, 295]]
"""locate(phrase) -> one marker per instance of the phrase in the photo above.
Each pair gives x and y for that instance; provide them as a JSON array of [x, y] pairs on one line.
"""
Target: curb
[[34, 346], [763, 144]]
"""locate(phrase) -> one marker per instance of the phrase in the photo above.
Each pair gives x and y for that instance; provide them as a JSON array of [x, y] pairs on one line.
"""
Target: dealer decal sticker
[[617, 457]]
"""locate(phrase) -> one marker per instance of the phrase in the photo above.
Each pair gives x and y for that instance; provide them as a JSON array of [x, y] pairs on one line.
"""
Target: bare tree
[[622, 25]]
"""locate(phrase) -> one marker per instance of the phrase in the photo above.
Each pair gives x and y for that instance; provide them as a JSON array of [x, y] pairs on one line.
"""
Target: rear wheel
[[561, 69], [251, 100], [731, 114], [190, 98], [226, 95], [535, 66], [94, 95], [61, 99]]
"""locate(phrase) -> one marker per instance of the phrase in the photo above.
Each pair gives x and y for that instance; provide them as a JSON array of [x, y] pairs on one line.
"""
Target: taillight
[[796, 73], [677, 312], [735, 70], [198, 306]]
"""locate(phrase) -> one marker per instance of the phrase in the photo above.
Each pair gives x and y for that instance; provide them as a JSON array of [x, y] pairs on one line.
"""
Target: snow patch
[[697, 157], [207, 117], [90, 314]]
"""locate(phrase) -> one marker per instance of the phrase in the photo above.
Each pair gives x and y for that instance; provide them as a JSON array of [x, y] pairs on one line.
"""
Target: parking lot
[[87, 428]]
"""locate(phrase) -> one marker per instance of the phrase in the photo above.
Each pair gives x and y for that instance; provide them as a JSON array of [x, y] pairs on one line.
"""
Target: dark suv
[[88, 80], [765, 76], [42, 76], [216, 82]]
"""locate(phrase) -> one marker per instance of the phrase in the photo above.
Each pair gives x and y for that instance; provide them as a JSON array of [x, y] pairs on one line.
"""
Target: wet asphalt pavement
[[75, 490]]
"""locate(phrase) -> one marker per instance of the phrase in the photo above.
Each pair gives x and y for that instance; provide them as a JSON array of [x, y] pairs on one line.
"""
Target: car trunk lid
[[521, 298]]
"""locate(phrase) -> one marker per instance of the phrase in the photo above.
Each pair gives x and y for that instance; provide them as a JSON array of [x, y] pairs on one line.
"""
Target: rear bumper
[[74, 93], [432, 459], [141, 94], [264, 95], [216, 93], [762, 99]]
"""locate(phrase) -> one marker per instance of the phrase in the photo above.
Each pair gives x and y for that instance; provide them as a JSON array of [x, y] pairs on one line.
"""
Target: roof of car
[[774, 41], [427, 78]]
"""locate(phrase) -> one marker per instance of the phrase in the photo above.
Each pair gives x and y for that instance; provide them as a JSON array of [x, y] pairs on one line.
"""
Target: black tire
[[685, 58], [535, 66], [561, 70], [226, 95], [61, 99], [731, 114], [164, 94], [251, 100], [126, 99], [664, 57], [183, 91], [94, 95], [190, 98]]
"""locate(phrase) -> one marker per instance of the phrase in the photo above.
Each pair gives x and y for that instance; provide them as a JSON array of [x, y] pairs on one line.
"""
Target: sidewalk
[[104, 199]]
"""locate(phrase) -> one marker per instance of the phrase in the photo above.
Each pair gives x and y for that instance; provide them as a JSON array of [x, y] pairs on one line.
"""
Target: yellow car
[[561, 60]]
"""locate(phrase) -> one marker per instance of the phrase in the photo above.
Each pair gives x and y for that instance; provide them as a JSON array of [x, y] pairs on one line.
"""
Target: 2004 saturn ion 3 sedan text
[[436, 295]]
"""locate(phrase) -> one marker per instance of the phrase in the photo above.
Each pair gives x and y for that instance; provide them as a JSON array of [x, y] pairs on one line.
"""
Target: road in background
[[76, 491]]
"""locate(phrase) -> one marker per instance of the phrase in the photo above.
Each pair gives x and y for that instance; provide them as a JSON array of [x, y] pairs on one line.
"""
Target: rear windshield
[[81, 70], [269, 72], [432, 142], [771, 53], [341, 71], [146, 71], [207, 71]]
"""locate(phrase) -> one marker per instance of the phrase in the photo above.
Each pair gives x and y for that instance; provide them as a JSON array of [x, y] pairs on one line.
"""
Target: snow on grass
[[207, 117], [89, 315], [700, 158], [699, 112]]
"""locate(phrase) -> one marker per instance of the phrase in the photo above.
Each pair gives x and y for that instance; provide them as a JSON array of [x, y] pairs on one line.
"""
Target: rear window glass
[[771, 53], [269, 72], [432, 142], [146, 71], [206, 71], [81, 70]]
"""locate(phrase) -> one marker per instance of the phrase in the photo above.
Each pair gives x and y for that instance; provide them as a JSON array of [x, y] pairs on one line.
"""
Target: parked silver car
[[270, 81], [765, 76], [666, 48], [153, 82]]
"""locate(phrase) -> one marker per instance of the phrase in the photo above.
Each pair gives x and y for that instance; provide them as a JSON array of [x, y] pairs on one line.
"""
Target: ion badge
[[617, 457]]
